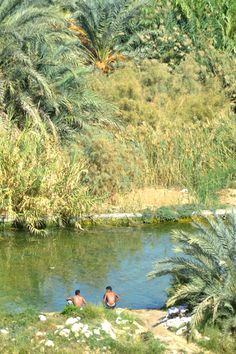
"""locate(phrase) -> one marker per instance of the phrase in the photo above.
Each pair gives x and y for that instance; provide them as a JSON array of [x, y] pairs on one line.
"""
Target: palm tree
[[40, 73], [204, 275], [101, 26]]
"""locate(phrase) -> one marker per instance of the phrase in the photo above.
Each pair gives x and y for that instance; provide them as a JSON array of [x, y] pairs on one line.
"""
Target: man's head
[[108, 288], [77, 292]]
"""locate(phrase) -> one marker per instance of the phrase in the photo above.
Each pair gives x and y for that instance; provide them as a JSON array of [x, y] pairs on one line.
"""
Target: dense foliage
[[40, 74], [169, 86], [168, 116], [101, 27], [39, 179], [204, 274], [101, 97]]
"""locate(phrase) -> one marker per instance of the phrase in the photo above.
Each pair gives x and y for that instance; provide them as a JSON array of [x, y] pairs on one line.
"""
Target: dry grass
[[227, 197], [149, 197]]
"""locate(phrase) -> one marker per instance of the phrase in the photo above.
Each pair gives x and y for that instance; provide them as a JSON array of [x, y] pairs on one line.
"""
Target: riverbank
[[96, 330], [91, 330], [141, 206], [179, 213]]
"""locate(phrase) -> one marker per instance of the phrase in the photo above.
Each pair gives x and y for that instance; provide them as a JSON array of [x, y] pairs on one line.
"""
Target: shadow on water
[[42, 272]]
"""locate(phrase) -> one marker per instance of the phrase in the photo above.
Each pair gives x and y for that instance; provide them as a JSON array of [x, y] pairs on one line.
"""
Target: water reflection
[[42, 272]]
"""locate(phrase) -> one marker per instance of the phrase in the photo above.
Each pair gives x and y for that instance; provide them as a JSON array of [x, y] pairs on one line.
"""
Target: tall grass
[[182, 122], [39, 178]]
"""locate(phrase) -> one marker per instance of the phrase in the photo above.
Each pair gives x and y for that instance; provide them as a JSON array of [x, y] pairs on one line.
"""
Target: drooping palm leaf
[[205, 274]]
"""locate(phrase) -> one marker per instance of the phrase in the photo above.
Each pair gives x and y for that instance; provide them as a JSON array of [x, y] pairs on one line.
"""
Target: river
[[40, 272]]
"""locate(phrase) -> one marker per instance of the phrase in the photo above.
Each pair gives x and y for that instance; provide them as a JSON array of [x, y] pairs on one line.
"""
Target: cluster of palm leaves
[[102, 26], [41, 76], [204, 274]]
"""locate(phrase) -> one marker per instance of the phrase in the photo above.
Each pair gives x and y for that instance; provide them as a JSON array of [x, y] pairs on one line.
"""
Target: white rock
[[206, 338], [178, 322], [4, 331], [40, 334], [107, 328], [186, 319], [64, 332], [88, 334], [184, 190], [97, 331], [85, 328], [42, 318], [181, 331], [119, 311], [120, 321], [77, 327], [71, 321], [49, 343]]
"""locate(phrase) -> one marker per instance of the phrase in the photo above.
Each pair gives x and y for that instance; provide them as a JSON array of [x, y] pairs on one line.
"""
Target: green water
[[43, 272]]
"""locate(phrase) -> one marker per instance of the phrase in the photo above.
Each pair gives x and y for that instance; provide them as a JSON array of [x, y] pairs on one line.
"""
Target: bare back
[[78, 300], [111, 297]]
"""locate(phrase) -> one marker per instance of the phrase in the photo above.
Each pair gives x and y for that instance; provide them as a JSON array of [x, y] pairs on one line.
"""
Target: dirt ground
[[156, 197], [141, 199], [227, 197], [175, 344]]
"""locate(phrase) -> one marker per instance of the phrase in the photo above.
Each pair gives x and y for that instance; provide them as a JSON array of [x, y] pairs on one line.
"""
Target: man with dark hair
[[110, 298], [76, 300]]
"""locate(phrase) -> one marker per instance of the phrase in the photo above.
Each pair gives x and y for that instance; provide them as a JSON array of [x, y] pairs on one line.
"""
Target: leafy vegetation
[[204, 273], [26, 333], [145, 123], [101, 27], [168, 116], [39, 179], [40, 74]]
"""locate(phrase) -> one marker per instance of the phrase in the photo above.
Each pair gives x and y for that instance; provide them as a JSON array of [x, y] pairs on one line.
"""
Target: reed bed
[[39, 178]]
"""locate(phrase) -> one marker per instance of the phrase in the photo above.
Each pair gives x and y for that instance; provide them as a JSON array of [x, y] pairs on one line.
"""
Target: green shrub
[[217, 342], [204, 273]]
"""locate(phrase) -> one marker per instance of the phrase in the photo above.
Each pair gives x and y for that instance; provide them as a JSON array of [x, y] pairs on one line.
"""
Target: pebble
[[120, 321], [88, 334], [85, 328], [42, 318], [49, 343], [71, 321], [107, 327], [97, 331], [64, 332], [76, 327]]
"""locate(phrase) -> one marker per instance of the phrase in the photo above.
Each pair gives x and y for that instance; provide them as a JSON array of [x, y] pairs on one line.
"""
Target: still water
[[42, 272]]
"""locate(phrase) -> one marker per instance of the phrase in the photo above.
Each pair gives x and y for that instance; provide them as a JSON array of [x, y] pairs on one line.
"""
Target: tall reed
[[39, 178]]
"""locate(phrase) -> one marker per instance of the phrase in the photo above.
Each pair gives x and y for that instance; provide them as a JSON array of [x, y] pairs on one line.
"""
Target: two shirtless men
[[110, 298]]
